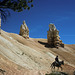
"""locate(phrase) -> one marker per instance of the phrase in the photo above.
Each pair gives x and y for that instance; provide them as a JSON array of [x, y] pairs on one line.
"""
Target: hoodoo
[[53, 37], [24, 30]]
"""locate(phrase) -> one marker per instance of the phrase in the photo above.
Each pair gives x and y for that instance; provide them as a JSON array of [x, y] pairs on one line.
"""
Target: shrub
[[57, 73]]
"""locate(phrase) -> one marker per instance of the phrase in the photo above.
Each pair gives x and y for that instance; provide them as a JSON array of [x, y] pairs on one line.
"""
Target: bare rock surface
[[19, 56]]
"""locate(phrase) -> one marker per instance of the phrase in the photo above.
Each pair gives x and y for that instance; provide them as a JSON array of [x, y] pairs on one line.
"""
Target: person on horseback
[[56, 59], [57, 63]]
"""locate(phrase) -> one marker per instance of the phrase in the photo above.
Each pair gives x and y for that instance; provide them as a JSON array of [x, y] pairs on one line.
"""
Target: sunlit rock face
[[24, 31], [53, 37]]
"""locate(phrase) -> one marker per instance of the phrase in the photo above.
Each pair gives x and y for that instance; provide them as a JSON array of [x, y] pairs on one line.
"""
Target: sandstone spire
[[53, 37], [24, 31]]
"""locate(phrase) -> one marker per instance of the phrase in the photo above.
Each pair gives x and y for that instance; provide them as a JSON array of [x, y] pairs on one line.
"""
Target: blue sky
[[44, 12]]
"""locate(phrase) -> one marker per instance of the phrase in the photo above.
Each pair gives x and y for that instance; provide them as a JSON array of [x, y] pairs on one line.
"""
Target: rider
[[56, 59]]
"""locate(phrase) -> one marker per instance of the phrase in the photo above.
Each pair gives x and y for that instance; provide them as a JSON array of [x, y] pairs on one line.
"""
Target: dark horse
[[57, 64]]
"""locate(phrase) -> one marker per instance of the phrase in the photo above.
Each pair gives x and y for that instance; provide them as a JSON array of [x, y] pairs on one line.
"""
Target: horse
[[57, 64]]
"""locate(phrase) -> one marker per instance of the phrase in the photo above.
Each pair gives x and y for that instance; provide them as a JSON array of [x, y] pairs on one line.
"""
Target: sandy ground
[[19, 56]]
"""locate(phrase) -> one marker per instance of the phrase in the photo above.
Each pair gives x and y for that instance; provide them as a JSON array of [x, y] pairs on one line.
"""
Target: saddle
[[57, 63]]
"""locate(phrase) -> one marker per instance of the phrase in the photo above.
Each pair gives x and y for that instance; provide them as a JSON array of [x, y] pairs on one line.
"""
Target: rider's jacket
[[56, 59]]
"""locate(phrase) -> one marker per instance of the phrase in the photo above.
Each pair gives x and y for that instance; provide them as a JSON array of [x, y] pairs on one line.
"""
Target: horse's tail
[[51, 65]]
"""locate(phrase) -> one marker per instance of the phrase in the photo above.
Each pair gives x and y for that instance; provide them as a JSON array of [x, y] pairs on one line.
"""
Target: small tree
[[15, 5]]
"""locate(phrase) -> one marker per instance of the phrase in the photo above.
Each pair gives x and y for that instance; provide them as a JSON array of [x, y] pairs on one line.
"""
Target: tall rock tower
[[53, 37], [24, 31]]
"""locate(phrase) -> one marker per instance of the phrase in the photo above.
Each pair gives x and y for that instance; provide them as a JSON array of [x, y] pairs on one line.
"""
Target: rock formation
[[24, 31], [19, 56], [53, 37]]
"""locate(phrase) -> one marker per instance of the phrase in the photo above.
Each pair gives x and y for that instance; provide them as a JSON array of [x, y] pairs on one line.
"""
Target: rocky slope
[[19, 56]]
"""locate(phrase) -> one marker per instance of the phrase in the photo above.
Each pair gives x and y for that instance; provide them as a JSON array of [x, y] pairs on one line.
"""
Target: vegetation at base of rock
[[57, 73], [15, 5]]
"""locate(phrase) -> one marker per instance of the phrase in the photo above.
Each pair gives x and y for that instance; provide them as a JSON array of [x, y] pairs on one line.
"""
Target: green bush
[[57, 73]]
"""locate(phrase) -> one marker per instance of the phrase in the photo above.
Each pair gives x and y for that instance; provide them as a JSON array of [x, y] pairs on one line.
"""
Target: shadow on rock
[[46, 44]]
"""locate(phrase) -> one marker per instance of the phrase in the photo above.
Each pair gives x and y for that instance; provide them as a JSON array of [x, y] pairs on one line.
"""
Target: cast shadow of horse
[[46, 44]]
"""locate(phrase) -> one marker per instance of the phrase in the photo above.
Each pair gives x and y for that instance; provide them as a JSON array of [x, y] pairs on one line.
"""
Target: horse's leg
[[51, 66], [58, 69], [61, 68], [54, 68]]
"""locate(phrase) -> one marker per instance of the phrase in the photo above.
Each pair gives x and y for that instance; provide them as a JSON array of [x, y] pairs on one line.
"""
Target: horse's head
[[63, 62]]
